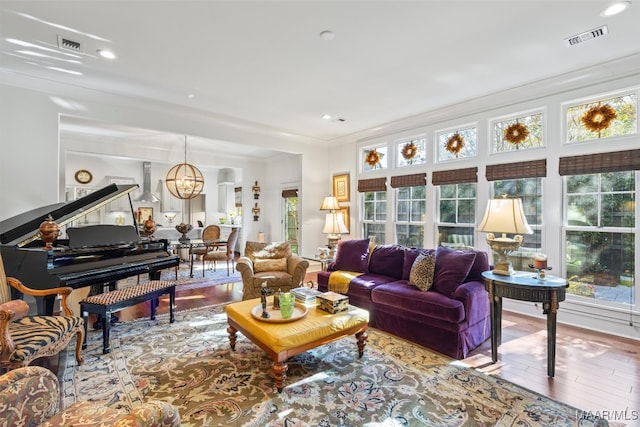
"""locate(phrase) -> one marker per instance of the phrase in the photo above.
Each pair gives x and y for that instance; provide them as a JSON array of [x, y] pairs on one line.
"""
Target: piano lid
[[25, 227]]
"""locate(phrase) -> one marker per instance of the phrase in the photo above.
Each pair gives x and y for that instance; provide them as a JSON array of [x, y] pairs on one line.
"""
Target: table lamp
[[504, 216], [334, 226]]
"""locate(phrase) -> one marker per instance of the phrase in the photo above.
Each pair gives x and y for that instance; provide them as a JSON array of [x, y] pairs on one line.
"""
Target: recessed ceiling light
[[616, 8], [327, 35], [106, 53], [326, 117], [191, 96]]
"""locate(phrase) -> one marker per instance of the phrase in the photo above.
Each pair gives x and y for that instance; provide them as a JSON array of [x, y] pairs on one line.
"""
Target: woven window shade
[[374, 184], [409, 180], [532, 169], [604, 162], [454, 176], [289, 193]]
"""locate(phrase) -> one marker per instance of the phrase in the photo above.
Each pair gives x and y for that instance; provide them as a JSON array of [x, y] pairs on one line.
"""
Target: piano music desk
[[109, 302]]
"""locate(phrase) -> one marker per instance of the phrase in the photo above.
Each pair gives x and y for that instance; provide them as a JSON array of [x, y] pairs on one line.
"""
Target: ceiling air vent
[[65, 43], [587, 35]]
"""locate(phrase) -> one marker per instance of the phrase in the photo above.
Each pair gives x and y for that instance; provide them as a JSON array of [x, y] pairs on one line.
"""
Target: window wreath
[[409, 151], [599, 118], [516, 133], [373, 158], [455, 144]]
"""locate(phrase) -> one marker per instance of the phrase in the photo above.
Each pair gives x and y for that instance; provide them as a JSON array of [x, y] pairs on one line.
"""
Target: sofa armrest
[[32, 393], [297, 268], [475, 299]]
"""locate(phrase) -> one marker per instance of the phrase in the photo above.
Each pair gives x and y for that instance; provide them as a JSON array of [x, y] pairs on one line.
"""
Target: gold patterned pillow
[[269, 264], [421, 275]]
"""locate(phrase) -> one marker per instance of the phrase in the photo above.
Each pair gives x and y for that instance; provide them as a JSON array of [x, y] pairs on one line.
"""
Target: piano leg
[[45, 305]]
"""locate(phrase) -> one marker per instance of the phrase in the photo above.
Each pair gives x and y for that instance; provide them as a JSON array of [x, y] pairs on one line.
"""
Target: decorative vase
[[184, 229], [49, 232]]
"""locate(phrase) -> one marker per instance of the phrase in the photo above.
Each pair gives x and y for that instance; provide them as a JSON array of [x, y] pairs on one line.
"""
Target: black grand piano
[[91, 255]]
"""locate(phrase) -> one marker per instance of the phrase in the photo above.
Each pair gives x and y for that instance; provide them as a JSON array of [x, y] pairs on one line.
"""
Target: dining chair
[[228, 255]]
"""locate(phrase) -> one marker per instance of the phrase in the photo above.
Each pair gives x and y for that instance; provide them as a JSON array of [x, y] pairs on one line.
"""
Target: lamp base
[[332, 242], [503, 246]]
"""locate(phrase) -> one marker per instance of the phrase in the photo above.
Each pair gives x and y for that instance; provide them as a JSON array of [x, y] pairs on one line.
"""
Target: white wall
[[33, 170]]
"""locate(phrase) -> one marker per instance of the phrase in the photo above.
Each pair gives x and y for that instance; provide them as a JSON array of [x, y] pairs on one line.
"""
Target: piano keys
[[92, 255]]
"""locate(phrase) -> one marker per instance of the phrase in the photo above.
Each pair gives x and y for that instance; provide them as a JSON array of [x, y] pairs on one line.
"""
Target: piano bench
[[106, 303]]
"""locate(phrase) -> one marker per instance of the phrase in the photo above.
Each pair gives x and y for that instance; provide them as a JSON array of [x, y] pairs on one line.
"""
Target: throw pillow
[[452, 268], [275, 250], [422, 271], [410, 255], [352, 255], [269, 264], [387, 260]]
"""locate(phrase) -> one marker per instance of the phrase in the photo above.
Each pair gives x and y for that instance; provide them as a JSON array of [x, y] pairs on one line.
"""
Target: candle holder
[[541, 275]]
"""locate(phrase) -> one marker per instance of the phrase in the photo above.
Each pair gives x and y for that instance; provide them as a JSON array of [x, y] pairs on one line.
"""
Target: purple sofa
[[451, 317]]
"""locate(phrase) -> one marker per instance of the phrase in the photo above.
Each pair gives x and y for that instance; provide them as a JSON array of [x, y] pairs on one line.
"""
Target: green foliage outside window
[[600, 240]]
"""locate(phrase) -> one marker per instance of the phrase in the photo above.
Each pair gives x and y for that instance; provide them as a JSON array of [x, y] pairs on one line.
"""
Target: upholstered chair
[[24, 338], [227, 255], [30, 397], [273, 263]]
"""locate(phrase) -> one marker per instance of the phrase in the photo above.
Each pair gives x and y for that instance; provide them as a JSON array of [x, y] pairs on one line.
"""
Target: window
[[375, 215], [457, 144], [374, 207], [603, 118], [410, 215], [413, 152], [530, 191], [457, 215], [518, 133], [600, 235], [374, 158]]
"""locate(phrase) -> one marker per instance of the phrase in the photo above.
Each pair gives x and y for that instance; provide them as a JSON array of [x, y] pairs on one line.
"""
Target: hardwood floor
[[595, 372]]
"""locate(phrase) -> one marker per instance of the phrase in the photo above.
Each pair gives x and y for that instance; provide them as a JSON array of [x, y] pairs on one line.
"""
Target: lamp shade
[[330, 203], [505, 216], [334, 224]]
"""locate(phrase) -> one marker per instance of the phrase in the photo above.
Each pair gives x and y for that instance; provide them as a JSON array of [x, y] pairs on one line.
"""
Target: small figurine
[[263, 299]]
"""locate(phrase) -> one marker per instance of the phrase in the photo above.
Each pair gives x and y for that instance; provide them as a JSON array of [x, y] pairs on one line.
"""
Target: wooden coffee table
[[281, 340]]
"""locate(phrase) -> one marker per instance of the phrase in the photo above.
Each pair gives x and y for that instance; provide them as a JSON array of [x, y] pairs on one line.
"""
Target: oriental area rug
[[211, 277], [189, 364]]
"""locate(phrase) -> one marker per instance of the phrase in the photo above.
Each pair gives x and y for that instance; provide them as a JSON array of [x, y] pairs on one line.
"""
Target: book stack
[[306, 296]]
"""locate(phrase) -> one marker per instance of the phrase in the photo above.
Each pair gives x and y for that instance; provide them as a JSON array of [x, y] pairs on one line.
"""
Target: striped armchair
[[24, 338], [30, 397]]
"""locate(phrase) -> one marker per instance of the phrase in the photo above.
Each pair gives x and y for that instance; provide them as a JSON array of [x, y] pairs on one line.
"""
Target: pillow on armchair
[[268, 256]]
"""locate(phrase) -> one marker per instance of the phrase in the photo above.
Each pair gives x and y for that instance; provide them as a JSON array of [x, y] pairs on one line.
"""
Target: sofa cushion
[[410, 255], [421, 275], [387, 260], [480, 264], [406, 298], [268, 264], [452, 268], [352, 255]]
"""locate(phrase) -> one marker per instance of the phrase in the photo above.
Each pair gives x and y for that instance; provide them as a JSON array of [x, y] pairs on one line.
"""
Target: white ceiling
[[265, 62]]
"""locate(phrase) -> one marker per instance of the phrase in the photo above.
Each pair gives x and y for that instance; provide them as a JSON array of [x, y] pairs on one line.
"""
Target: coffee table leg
[[232, 337], [362, 342], [280, 372]]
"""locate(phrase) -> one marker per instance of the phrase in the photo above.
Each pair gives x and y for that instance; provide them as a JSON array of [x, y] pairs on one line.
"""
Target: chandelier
[[184, 180]]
